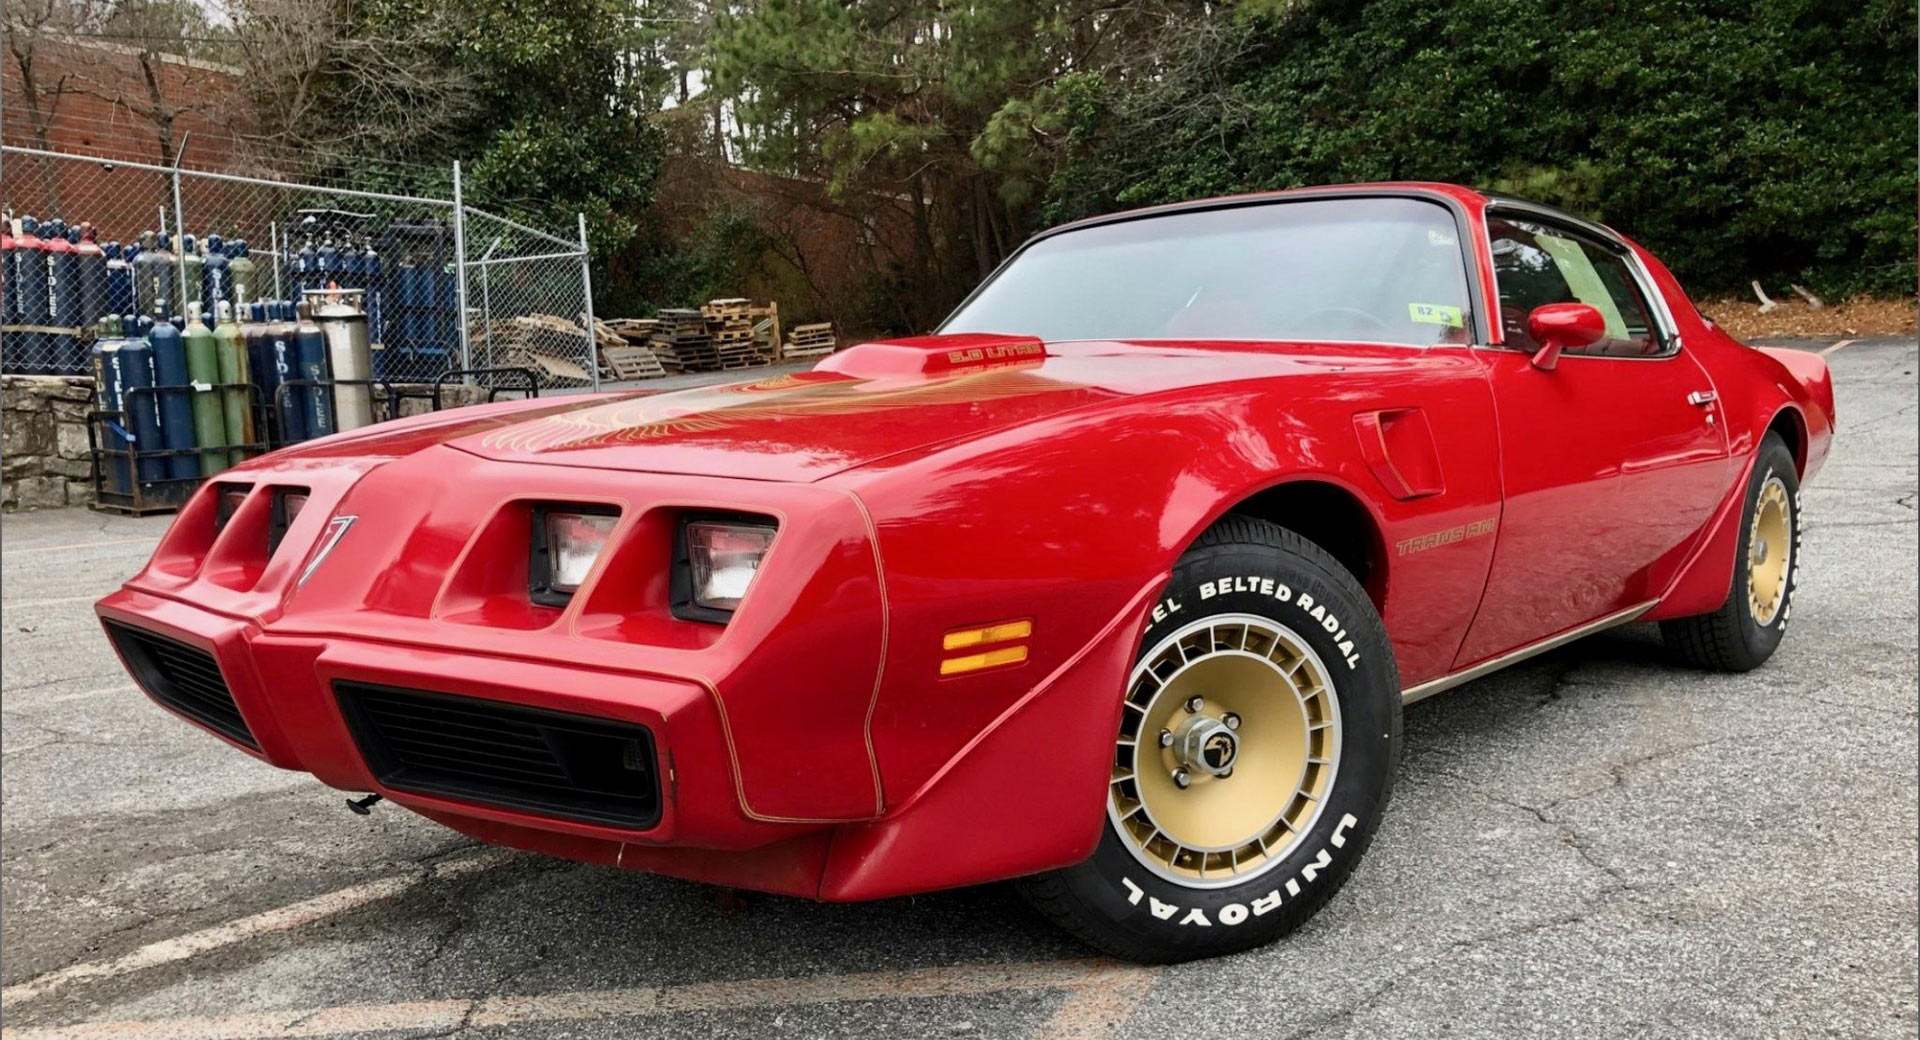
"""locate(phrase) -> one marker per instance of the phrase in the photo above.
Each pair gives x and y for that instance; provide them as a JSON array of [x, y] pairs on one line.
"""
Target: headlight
[[566, 542], [721, 559], [231, 498], [287, 503]]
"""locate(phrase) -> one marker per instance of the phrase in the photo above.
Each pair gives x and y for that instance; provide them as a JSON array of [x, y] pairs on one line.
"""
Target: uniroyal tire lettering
[[1325, 619], [1236, 913]]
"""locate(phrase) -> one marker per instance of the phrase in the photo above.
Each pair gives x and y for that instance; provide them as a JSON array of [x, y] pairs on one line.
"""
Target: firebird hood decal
[[784, 397], [801, 426]]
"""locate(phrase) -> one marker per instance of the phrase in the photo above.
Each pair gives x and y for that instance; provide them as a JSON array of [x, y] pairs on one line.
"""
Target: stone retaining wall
[[44, 462]]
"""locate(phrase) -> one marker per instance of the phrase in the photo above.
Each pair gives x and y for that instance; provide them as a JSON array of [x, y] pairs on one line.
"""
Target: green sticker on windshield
[[1436, 314]]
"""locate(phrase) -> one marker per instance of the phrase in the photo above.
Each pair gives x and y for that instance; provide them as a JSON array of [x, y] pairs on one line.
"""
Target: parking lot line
[[293, 915], [22, 550], [84, 694], [1100, 1006], [1837, 346], [53, 602], [1079, 977]]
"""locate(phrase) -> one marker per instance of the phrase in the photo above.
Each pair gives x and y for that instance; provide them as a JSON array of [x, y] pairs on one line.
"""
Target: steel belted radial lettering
[[1228, 746]]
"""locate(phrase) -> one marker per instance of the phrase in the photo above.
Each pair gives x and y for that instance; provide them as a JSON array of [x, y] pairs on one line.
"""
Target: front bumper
[[762, 733], [284, 688]]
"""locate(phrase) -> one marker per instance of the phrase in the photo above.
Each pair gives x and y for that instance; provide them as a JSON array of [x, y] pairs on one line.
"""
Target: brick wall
[[87, 120]]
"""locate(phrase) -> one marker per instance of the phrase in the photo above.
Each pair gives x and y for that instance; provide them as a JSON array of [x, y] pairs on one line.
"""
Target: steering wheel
[[1371, 321]]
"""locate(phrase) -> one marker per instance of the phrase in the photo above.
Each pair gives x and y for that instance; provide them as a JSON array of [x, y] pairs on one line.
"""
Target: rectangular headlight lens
[[722, 559], [574, 541], [287, 503], [232, 496]]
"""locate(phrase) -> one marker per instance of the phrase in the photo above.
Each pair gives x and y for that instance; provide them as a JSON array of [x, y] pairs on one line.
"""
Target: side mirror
[[1563, 326]]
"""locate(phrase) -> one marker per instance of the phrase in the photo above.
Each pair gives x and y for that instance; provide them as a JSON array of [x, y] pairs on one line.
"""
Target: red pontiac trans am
[[1117, 584]]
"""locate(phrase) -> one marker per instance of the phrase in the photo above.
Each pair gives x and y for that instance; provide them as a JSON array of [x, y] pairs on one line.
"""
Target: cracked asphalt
[[1594, 843]]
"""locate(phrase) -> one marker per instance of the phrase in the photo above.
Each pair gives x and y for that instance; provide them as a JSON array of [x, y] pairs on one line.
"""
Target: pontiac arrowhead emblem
[[336, 530]]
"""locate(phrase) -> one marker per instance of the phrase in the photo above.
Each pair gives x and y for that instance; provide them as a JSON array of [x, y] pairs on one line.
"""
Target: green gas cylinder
[[230, 347], [203, 374]]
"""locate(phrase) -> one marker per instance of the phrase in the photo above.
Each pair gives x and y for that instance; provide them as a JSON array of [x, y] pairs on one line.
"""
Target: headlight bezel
[[683, 599]]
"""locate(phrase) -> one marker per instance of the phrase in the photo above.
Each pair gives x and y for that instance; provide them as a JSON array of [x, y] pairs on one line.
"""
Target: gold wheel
[[1228, 746], [1769, 552]]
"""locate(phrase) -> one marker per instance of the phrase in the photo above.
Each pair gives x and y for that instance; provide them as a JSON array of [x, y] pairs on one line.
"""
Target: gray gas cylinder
[[342, 317]]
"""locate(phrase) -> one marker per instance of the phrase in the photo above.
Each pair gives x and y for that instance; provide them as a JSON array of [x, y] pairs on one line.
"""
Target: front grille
[[182, 677], [553, 763]]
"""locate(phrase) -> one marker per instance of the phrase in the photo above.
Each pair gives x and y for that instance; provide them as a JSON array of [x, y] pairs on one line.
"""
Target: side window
[[1536, 264]]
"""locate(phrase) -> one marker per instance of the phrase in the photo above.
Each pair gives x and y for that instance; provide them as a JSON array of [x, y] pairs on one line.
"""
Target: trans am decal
[[793, 396]]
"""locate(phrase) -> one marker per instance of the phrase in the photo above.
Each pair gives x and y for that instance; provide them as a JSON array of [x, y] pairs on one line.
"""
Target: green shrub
[[1770, 139]]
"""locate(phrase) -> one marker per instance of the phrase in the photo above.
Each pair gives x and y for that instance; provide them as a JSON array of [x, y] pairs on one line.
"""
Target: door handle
[[1702, 398]]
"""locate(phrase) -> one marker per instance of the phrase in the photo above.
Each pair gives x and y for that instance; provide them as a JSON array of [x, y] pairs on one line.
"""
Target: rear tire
[[1268, 659], [1748, 627]]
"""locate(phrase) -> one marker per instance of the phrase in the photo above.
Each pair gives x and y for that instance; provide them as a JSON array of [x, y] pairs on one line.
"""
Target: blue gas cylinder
[[327, 259], [370, 266], [134, 362], [215, 286], [113, 432], [306, 265], [9, 277], [63, 297], [317, 401], [30, 266], [285, 364], [176, 399], [119, 280]]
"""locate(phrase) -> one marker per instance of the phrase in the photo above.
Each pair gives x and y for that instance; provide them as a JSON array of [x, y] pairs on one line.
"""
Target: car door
[[1612, 462]]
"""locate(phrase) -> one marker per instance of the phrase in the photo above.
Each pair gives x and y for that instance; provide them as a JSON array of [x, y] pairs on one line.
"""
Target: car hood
[[858, 406]]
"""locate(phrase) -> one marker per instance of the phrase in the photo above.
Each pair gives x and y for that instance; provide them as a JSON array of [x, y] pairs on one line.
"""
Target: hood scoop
[[934, 355]]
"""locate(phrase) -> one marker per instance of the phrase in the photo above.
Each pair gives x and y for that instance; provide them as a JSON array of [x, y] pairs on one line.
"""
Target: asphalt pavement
[[1595, 843]]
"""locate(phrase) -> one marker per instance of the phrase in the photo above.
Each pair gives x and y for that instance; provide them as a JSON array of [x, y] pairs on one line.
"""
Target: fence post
[[460, 266], [180, 229], [586, 287]]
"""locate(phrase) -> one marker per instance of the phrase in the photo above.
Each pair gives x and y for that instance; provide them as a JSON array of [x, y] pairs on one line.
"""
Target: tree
[[950, 109], [1770, 139], [29, 24]]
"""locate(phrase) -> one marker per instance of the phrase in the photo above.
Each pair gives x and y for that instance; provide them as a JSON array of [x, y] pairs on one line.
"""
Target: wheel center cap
[[1206, 744]]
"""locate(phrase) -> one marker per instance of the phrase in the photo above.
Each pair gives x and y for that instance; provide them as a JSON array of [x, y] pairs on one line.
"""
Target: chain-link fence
[[449, 291]]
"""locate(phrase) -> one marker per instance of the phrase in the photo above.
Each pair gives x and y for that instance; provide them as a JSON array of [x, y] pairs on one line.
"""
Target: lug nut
[[1232, 720], [1166, 738], [1182, 779], [1194, 704]]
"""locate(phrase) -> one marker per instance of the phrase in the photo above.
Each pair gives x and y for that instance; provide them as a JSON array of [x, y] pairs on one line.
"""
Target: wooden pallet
[[811, 341], [547, 343], [632, 362]]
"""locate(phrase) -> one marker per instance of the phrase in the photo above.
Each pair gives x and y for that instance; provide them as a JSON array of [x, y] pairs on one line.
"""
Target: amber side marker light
[[986, 636]]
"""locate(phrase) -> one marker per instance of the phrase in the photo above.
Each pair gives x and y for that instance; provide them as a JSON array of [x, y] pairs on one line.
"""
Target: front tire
[[1748, 627], [1256, 754]]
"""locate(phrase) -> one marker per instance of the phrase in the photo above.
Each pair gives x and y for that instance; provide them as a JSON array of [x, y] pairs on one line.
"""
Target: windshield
[[1375, 269]]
